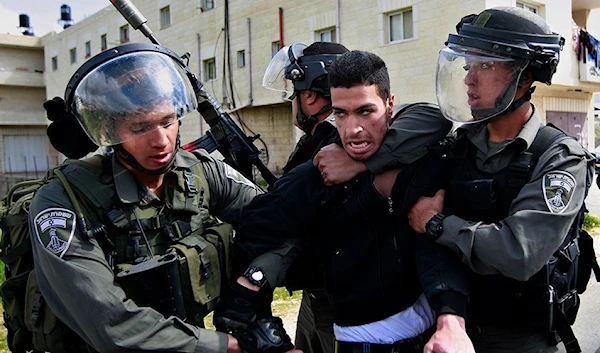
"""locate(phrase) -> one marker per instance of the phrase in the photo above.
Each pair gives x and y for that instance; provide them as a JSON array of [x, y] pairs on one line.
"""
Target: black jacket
[[367, 251], [308, 145]]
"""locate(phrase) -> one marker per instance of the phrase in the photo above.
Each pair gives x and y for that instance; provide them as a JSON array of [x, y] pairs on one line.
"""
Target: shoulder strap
[[546, 137]]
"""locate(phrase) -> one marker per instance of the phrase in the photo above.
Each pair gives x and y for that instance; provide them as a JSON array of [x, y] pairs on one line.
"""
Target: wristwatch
[[434, 227], [255, 276]]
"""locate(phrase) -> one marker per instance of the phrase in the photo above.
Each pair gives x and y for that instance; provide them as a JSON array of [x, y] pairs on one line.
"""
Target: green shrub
[[590, 222]]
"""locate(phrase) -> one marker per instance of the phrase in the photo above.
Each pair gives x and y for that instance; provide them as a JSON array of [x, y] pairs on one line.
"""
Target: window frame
[[241, 58], [529, 6], [54, 63], [73, 55], [208, 72], [400, 14], [103, 42], [275, 44], [124, 34], [164, 15], [88, 49], [332, 34]]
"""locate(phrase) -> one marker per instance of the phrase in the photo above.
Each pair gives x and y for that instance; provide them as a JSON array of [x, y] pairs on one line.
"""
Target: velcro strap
[[118, 218], [565, 331], [10, 221], [36, 307], [16, 252]]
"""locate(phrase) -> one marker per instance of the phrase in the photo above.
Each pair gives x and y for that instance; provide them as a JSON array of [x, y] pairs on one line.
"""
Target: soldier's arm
[[519, 245], [229, 190], [413, 129], [79, 286]]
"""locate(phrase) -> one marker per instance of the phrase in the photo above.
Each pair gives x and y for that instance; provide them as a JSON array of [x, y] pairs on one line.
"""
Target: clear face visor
[[473, 86], [132, 95], [275, 75]]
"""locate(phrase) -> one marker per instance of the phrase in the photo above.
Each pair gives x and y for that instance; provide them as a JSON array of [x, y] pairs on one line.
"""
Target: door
[[571, 123]]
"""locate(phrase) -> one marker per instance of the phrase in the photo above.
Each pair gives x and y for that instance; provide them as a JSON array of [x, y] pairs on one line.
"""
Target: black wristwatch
[[255, 276], [434, 227]]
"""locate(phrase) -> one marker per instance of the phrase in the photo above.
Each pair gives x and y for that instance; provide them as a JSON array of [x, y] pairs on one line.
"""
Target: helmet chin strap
[[512, 107], [130, 159], [308, 123]]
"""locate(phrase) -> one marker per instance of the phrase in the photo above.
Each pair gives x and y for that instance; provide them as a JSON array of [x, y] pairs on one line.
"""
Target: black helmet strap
[[305, 123]]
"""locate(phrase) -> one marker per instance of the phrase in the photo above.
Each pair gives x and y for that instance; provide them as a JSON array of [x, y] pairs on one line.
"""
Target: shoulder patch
[[236, 176], [558, 188], [54, 229]]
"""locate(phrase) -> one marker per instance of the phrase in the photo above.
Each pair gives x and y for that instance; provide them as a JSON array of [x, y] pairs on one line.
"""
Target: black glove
[[236, 309], [65, 133], [265, 335]]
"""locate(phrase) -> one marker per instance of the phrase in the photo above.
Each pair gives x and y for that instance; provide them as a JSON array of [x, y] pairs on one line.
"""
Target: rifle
[[224, 135]]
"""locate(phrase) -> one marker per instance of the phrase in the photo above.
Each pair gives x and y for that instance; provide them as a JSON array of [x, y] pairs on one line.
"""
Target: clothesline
[[586, 47]]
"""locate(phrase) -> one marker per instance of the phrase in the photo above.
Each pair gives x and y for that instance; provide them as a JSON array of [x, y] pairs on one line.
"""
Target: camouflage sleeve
[[230, 191], [78, 285], [415, 126]]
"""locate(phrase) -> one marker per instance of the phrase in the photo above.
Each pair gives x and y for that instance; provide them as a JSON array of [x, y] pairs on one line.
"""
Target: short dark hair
[[360, 68]]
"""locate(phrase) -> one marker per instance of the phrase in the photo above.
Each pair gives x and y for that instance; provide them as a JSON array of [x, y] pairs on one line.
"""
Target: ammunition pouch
[[205, 266], [155, 283], [48, 334]]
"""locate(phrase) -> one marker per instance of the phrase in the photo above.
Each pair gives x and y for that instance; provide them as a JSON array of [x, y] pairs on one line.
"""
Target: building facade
[[25, 151], [232, 41]]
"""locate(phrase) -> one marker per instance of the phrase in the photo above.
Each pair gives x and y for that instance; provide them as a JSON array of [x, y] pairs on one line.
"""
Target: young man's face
[[362, 119], [151, 137]]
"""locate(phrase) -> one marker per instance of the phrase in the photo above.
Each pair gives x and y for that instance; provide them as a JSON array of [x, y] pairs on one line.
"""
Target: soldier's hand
[[265, 335], [424, 209], [336, 166], [450, 336]]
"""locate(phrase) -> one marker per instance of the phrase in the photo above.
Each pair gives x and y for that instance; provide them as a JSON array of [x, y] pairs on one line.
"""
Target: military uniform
[[506, 242], [314, 329], [78, 283]]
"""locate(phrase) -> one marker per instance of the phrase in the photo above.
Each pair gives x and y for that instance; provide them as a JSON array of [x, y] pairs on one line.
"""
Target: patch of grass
[[590, 222]]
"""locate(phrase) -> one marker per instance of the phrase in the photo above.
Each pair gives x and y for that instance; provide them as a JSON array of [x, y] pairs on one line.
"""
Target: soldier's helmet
[[513, 41], [299, 67], [127, 81]]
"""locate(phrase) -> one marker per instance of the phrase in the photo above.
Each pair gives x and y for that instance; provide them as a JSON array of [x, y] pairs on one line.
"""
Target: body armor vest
[[475, 195]]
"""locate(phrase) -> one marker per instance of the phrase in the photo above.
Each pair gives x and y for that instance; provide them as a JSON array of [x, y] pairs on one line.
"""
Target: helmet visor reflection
[[472, 86], [144, 87], [275, 75]]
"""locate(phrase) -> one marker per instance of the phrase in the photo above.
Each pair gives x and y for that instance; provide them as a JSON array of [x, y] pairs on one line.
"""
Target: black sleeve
[[275, 225], [443, 277]]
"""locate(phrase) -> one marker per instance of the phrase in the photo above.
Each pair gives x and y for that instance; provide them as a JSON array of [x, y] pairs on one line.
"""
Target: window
[[326, 35], [165, 17], [73, 55], [207, 5], [241, 58], [210, 69], [124, 34], [54, 63], [400, 25], [275, 46], [103, 42], [531, 7], [88, 49]]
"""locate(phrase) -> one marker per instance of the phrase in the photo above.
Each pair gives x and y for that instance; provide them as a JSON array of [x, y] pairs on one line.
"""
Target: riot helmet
[[115, 95], [482, 67], [300, 67]]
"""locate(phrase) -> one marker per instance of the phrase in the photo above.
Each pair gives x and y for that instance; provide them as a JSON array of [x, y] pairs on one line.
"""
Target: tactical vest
[[190, 248], [476, 195]]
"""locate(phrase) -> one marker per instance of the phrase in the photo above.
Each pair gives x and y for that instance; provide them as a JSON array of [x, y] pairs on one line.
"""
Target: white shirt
[[406, 324]]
